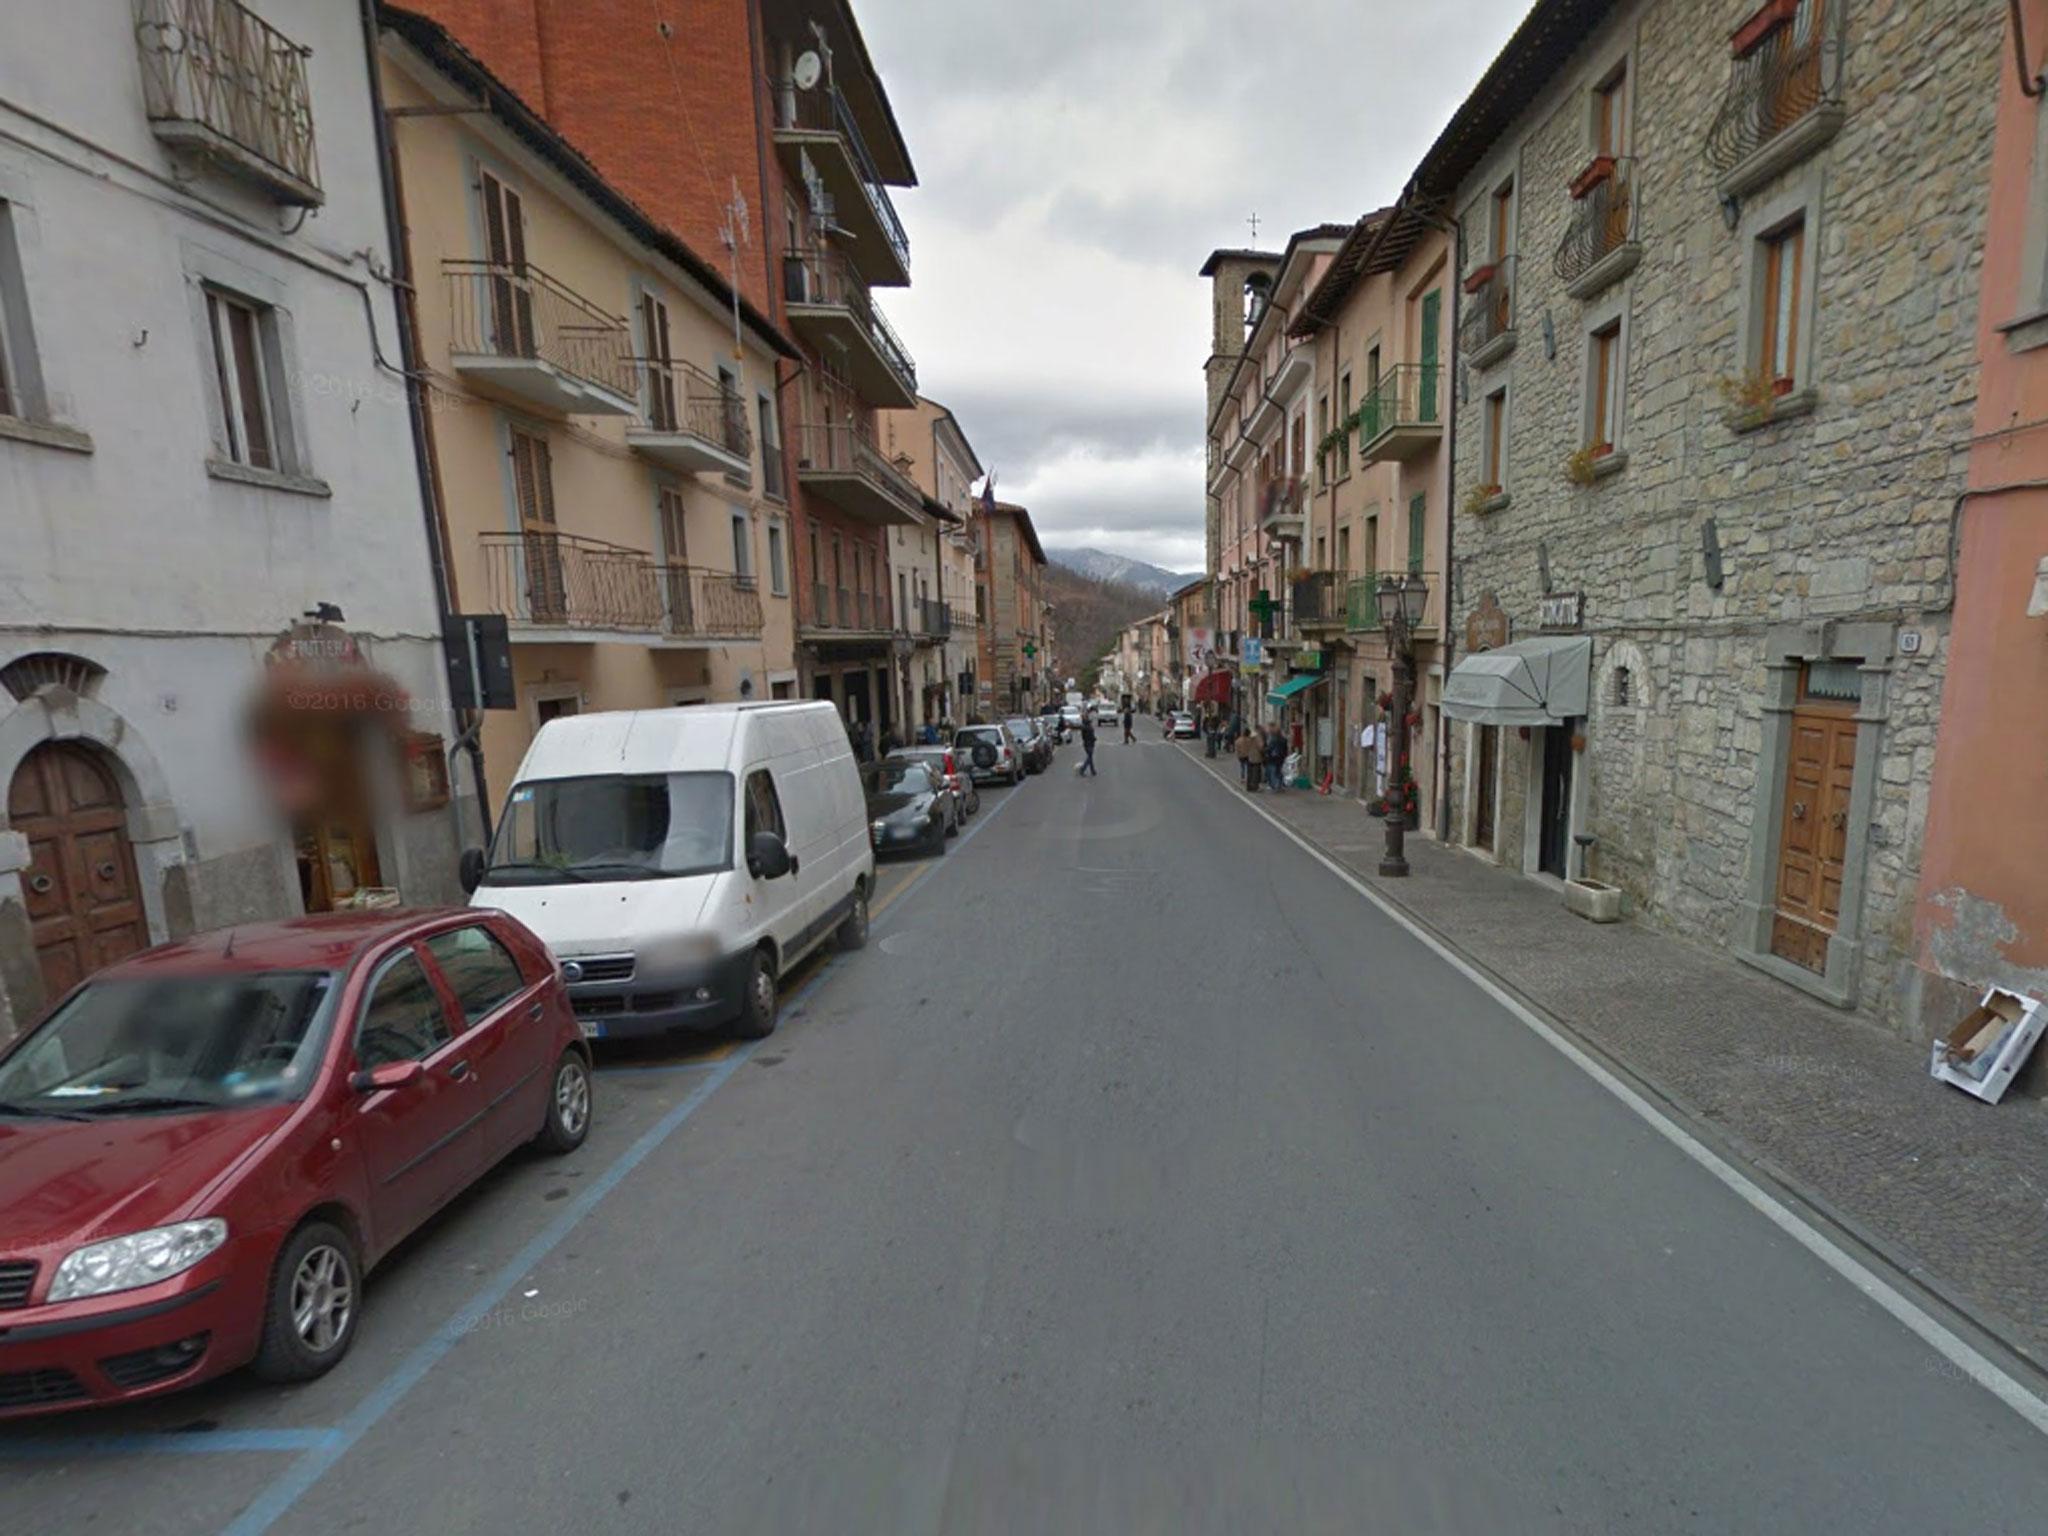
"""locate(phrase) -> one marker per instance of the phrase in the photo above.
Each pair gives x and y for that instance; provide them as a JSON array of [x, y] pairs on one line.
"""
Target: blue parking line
[[164, 1443], [319, 1459]]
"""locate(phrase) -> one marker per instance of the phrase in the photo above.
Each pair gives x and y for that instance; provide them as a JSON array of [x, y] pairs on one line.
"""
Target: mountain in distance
[[1100, 565]]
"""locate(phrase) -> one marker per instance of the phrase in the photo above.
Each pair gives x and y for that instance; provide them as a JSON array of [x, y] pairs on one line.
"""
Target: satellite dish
[[808, 70]]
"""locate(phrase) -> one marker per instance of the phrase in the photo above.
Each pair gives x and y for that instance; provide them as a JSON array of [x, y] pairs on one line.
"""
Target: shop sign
[[1560, 610], [1308, 661], [1254, 651], [1486, 627]]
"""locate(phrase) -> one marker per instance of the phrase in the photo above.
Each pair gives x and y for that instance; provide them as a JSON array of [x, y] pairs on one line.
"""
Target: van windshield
[[626, 826]]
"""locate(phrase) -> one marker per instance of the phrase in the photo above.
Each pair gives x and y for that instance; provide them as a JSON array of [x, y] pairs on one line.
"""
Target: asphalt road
[[1139, 1176]]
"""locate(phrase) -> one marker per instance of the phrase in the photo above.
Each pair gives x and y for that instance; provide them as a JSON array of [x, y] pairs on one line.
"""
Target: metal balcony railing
[[827, 279], [514, 310], [1318, 599], [1601, 223], [846, 448], [1408, 395], [566, 580], [709, 603], [934, 618], [1489, 305], [680, 397], [823, 110], [215, 75], [1793, 68]]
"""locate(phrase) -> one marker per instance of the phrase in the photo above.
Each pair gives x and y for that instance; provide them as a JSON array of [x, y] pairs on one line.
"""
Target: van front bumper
[[702, 997]]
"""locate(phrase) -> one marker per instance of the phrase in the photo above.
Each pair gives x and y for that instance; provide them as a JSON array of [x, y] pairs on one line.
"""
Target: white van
[[679, 862]]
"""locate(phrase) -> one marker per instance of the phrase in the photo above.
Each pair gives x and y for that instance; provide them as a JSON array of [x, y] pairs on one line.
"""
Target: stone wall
[[1840, 513]]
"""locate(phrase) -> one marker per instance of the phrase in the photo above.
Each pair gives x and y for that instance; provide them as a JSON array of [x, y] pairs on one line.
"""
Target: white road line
[[1931, 1330]]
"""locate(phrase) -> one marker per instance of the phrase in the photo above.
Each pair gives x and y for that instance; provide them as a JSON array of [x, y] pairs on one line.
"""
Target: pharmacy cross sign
[[1030, 649], [1262, 606]]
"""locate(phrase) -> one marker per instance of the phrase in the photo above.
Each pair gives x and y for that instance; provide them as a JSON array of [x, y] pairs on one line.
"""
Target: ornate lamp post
[[1402, 600]]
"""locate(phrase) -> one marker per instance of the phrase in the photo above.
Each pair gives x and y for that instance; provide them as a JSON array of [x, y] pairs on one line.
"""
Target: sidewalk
[[1953, 1191]]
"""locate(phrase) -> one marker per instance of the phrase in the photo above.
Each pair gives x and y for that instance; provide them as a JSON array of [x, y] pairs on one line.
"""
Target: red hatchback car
[[204, 1147]]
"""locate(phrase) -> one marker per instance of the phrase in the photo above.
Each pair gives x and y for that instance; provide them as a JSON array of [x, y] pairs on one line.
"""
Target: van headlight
[[140, 1258]]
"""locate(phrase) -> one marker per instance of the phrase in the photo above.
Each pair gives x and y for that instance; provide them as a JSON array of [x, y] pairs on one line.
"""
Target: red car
[[204, 1147]]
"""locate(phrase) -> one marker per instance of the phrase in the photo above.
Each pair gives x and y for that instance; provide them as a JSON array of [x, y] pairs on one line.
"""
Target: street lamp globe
[[1414, 599]]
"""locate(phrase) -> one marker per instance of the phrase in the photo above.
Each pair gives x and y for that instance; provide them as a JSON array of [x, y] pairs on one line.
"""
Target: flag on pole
[[988, 494]]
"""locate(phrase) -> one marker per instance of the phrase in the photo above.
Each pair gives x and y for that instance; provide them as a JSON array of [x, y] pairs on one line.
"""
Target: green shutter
[[1432, 320]]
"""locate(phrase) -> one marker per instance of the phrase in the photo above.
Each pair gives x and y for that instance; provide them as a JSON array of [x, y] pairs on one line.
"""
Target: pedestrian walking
[[1087, 744], [1276, 754], [1248, 760], [1128, 737]]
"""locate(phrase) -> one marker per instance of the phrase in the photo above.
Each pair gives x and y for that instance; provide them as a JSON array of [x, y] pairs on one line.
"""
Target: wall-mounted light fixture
[[1549, 339], [1710, 553]]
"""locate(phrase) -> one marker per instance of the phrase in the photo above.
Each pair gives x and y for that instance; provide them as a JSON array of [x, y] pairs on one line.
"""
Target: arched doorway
[[83, 899]]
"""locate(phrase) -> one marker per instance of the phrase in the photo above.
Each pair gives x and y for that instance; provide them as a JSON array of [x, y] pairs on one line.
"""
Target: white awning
[[1546, 680]]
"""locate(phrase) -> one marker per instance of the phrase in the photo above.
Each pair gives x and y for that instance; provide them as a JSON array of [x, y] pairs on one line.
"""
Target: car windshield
[[645, 826], [174, 1042], [987, 733], [899, 779], [1022, 728]]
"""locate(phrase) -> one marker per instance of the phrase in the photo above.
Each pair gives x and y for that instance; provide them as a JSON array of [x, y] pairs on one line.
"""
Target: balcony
[[518, 333], [815, 133], [219, 81], [1362, 605], [929, 621], [1784, 98], [841, 464], [1600, 245], [830, 307], [709, 605], [841, 613], [1319, 601], [1281, 507], [1487, 333], [692, 421], [1403, 415], [570, 585]]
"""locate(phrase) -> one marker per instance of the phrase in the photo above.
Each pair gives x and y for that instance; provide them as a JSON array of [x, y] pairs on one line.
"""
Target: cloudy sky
[[1077, 161]]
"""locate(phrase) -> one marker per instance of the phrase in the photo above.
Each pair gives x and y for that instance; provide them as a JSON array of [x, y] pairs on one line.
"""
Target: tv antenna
[[734, 229]]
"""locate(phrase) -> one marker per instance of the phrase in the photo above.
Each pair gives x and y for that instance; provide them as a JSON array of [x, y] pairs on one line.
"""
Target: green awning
[[1300, 683]]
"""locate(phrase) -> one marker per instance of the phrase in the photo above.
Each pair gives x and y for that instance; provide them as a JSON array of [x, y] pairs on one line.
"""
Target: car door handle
[[536, 1010], [459, 1071]]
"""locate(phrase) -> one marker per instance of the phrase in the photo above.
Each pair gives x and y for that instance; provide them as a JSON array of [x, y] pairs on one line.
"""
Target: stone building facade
[[1718, 428]]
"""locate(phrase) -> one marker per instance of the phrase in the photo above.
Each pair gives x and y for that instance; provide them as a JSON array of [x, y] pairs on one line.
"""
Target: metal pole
[[1395, 862]]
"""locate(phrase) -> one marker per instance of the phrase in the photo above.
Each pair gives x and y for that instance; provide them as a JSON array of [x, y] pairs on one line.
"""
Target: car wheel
[[853, 929], [953, 825], [758, 1006], [316, 1290], [939, 841], [568, 1118]]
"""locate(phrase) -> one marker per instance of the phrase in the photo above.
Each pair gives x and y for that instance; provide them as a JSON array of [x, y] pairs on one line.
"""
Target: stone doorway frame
[[1787, 648]]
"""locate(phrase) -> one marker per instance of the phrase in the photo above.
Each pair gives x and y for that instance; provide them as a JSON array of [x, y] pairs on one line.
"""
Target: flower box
[[1768, 17], [1481, 276], [1599, 169]]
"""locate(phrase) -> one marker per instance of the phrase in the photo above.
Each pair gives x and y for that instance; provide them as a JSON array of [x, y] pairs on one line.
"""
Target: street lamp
[[1402, 600]]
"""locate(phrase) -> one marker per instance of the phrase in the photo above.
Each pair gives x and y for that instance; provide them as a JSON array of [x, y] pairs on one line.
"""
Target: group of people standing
[[1261, 755]]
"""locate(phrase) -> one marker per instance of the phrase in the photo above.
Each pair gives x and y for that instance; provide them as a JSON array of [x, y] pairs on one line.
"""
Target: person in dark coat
[[1128, 737], [1276, 755], [1087, 743]]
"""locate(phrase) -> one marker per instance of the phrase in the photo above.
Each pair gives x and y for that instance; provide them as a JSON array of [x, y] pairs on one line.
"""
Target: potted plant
[[1477, 498], [1579, 467]]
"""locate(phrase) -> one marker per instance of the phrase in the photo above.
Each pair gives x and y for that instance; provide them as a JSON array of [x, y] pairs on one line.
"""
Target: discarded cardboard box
[[1987, 1048]]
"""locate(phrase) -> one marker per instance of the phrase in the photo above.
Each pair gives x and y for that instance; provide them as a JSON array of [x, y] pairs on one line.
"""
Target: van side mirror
[[471, 870], [768, 857]]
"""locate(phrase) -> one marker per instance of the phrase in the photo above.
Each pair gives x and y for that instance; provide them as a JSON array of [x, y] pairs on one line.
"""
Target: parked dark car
[[990, 752], [206, 1146], [960, 783], [1036, 743], [909, 807]]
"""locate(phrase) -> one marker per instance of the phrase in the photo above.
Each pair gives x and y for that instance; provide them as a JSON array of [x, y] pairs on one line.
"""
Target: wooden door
[[1813, 836], [533, 484], [1488, 750], [512, 329], [84, 901]]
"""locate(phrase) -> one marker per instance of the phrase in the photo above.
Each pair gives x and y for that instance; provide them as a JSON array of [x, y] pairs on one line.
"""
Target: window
[[1624, 688], [1344, 414], [1417, 533], [742, 548], [771, 448], [764, 807], [1610, 108], [533, 479], [1297, 449], [1605, 381], [1344, 549], [661, 374], [1491, 468], [1372, 545], [1778, 349], [240, 378], [674, 529], [483, 976], [1503, 222], [403, 1020], [19, 391], [778, 577], [1322, 431]]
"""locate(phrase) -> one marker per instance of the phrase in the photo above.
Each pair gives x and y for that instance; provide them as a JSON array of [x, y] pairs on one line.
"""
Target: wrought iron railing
[[682, 398], [217, 65], [515, 310], [1362, 604], [846, 448], [709, 603], [1318, 599], [1489, 305], [829, 280], [823, 110], [1794, 68], [1601, 223], [1407, 395], [566, 580]]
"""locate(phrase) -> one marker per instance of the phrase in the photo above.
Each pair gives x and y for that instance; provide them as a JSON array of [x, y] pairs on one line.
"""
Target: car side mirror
[[392, 1074], [471, 869], [768, 857]]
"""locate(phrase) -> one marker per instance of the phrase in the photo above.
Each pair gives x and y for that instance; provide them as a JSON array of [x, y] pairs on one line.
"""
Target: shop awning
[[1300, 683], [1214, 689], [1540, 681]]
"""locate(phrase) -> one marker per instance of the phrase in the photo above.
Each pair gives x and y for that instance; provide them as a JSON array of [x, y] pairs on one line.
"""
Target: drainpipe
[[426, 462]]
